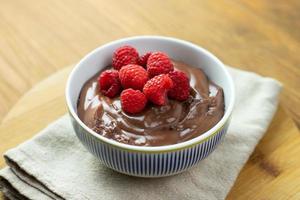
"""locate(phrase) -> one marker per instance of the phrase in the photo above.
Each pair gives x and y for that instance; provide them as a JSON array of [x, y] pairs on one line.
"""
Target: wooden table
[[38, 38]]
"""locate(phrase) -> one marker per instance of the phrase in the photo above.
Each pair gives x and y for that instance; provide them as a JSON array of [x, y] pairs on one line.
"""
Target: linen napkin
[[55, 165]]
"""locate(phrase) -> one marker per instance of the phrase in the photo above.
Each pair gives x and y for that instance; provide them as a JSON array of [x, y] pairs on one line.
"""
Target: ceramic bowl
[[160, 160]]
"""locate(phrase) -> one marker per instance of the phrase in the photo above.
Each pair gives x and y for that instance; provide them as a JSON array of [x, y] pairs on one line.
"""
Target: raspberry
[[133, 101], [123, 56], [133, 76], [144, 58], [109, 83], [159, 63], [181, 89], [156, 89]]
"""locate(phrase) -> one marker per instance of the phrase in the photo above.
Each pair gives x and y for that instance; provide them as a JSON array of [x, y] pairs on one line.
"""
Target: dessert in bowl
[[162, 134]]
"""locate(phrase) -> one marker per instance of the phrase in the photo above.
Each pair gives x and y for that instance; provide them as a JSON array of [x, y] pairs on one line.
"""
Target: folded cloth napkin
[[55, 165]]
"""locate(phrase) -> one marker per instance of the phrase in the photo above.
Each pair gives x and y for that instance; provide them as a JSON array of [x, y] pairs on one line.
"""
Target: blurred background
[[41, 37]]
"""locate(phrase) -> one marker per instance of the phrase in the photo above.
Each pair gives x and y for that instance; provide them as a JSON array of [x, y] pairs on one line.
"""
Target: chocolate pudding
[[156, 125]]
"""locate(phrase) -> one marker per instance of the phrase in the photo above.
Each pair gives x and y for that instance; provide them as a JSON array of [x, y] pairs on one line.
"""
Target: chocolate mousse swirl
[[156, 125]]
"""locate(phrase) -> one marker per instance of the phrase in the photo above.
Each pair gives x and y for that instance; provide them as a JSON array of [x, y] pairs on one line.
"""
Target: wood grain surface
[[271, 173], [38, 38]]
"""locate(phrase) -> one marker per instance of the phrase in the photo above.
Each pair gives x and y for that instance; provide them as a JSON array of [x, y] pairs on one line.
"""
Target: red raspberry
[[133, 101], [159, 63], [109, 83], [156, 89], [144, 58], [123, 56], [133, 76], [181, 89]]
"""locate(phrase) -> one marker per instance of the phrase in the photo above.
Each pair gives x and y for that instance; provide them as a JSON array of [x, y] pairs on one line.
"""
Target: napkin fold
[[55, 165]]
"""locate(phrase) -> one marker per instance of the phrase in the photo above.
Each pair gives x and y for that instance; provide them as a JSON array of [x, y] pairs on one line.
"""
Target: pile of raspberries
[[140, 79]]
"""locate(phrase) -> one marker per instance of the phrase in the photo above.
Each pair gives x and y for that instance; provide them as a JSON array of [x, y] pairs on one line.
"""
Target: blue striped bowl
[[150, 161]]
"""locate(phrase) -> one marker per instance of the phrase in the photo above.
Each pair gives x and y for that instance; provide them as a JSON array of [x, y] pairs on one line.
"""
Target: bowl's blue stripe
[[156, 162], [192, 156], [106, 154], [202, 152], [160, 164], [126, 162], [167, 159], [196, 153], [115, 160], [178, 162], [189, 159]]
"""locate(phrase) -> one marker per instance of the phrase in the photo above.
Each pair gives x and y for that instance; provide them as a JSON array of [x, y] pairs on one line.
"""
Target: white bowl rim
[[199, 139]]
